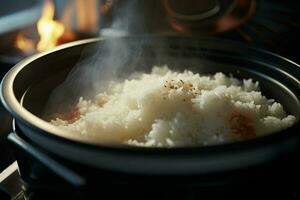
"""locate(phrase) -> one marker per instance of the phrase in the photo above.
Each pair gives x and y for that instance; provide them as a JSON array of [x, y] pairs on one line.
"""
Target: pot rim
[[15, 107], [139, 160]]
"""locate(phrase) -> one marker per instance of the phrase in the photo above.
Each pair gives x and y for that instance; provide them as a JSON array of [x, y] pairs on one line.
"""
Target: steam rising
[[101, 64]]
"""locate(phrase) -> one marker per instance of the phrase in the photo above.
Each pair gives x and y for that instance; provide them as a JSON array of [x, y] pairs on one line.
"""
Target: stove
[[44, 176], [272, 25]]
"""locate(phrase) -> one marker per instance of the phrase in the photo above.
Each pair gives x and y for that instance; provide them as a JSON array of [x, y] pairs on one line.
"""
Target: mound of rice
[[166, 108]]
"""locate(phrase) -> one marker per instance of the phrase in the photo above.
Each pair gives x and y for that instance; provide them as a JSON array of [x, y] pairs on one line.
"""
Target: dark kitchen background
[[28, 27]]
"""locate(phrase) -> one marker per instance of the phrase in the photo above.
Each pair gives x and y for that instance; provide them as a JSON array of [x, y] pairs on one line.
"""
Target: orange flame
[[25, 44], [49, 30]]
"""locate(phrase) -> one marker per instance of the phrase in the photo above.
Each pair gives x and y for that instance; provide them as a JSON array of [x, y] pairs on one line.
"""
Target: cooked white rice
[[167, 108]]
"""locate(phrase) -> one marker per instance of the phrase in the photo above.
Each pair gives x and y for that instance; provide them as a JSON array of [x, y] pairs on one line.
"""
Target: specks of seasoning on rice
[[168, 109]]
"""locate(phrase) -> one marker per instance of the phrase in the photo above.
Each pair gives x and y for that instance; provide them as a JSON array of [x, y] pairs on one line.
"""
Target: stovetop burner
[[274, 26], [269, 24], [208, 17]]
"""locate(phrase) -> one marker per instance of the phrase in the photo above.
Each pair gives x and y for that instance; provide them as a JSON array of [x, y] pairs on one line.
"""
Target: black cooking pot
[[80, 161]]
